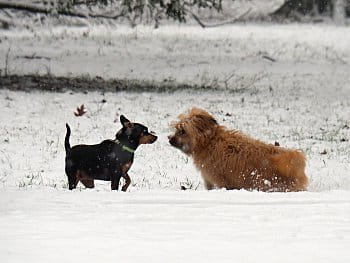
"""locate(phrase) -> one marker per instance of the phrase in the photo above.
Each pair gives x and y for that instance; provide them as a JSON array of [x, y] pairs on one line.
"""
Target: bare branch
[[45, 10], [219, 24]]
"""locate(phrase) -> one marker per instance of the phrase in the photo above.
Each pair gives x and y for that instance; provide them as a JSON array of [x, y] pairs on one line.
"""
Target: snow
[[183, 53], [302, 101], [198, 226]]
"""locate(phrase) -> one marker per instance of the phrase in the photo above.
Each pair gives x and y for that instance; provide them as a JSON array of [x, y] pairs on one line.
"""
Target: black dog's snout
[[154, 138]]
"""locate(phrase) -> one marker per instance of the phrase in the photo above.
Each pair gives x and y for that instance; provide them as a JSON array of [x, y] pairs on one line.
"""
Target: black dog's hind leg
[[72, 176], [72, 181]]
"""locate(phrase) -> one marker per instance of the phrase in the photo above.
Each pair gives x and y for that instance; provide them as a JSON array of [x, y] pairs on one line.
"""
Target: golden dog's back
[[234, 160]]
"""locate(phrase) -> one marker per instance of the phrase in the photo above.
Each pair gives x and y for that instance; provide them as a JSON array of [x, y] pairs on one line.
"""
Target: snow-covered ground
[[50, 225], [301, 100], [183, 53]]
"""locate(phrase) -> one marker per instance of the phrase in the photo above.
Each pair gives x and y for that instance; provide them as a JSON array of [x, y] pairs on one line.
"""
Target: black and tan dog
[[110, 160]]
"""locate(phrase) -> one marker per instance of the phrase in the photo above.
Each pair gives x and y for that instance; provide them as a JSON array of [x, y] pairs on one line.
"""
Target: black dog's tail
[[66, 140]]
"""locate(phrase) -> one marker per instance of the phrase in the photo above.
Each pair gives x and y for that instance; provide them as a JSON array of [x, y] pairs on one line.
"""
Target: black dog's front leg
[[115, 178], [127, 182]]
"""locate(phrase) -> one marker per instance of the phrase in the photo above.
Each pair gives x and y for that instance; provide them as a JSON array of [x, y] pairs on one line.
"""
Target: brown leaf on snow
[[80, 111]]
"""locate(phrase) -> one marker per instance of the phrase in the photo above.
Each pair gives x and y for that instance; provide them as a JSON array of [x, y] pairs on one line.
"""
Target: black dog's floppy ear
[[125, 122]]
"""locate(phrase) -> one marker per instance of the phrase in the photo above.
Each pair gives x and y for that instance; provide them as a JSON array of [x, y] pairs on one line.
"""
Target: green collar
[[124, 147]]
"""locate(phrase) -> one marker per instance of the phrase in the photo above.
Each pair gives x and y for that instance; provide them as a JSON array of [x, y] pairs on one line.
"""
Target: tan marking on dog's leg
[[85, 179], [126, 167], [88, 183], [77, 177]]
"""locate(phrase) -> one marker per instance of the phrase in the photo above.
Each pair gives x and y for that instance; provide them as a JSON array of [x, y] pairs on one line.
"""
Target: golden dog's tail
[[291, 164]]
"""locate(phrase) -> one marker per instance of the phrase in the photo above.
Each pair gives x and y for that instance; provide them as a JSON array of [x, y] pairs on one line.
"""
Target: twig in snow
[[269, 58], [33, 57], [6, 69]]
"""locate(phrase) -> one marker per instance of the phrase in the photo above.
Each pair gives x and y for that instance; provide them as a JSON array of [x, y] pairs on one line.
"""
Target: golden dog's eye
[[181, 132]]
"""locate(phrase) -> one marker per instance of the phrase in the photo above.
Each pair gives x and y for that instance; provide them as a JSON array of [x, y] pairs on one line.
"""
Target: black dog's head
[[135, 132]]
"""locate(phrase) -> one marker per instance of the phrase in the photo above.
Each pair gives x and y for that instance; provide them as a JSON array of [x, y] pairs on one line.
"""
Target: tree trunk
[[339, 13]]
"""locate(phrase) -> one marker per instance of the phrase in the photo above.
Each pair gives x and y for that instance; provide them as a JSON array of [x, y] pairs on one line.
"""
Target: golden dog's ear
[[200, 113], [208, 119], [202, 120]]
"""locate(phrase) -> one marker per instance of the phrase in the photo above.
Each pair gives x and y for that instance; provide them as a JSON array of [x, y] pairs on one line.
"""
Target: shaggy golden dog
[[232, 160]]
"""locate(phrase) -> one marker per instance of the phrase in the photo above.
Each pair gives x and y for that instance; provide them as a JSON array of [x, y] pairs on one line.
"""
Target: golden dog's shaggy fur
[[232, 160]]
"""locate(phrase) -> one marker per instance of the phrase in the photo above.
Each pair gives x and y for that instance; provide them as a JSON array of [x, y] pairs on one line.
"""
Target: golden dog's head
[[193, 130]]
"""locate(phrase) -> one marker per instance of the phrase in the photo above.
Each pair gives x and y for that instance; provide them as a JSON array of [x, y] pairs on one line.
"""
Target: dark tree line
[[134, 10], [179, 10]]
